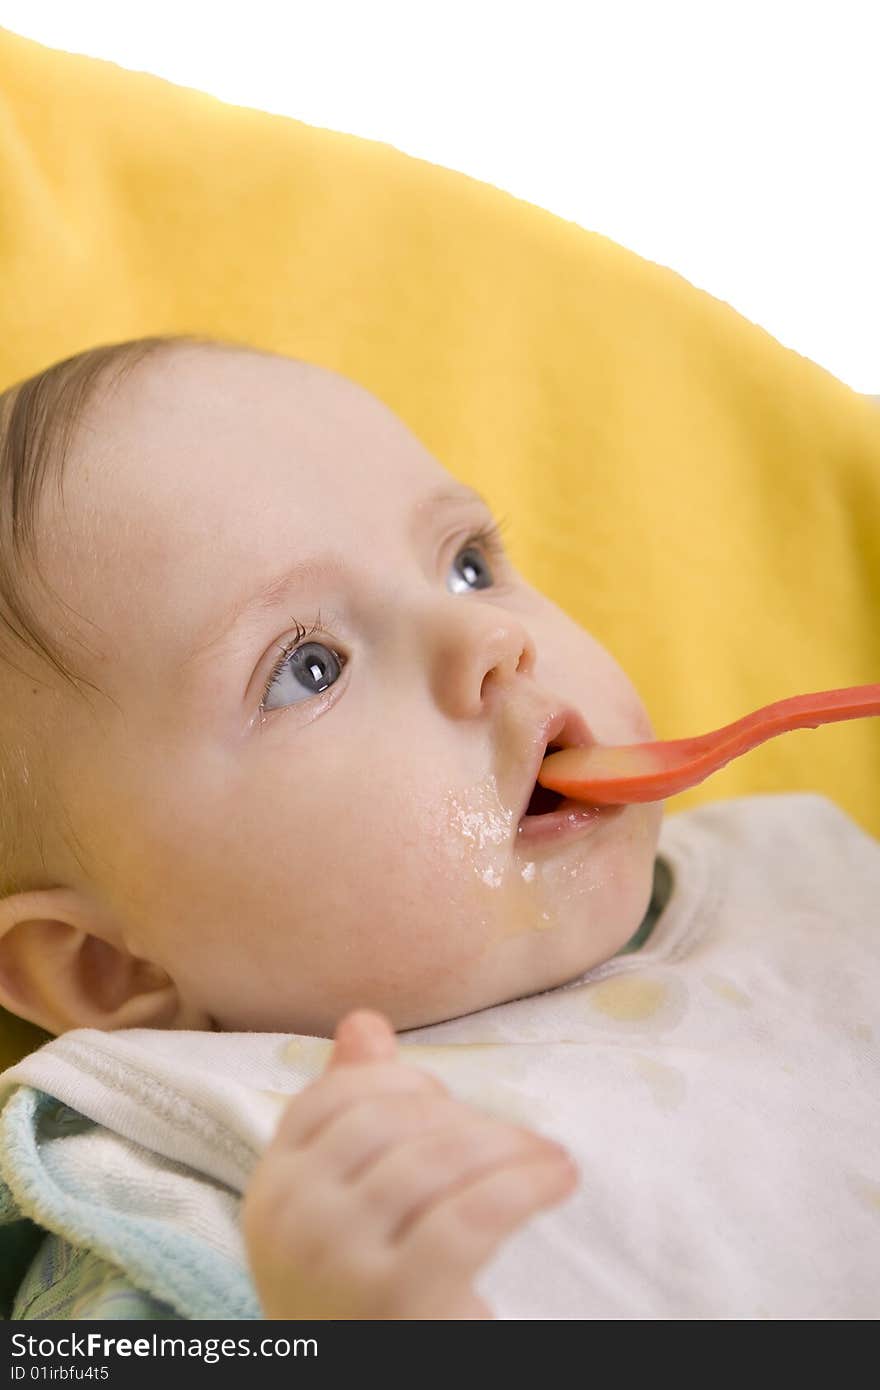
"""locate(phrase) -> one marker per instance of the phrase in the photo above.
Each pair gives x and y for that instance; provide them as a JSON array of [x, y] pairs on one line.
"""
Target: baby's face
[[349, 837]]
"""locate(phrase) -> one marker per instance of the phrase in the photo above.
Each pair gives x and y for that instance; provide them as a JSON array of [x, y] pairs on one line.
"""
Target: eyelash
[[489, 538]]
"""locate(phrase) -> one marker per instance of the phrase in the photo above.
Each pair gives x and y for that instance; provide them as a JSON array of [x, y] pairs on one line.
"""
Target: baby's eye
[[311, 667], [306, 668], [474, 552]]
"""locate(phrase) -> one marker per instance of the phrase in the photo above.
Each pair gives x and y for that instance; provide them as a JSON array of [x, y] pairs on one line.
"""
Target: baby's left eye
[[473, 555]]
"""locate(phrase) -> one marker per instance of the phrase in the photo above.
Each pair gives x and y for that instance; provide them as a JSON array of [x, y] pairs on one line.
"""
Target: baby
[[289, 793]]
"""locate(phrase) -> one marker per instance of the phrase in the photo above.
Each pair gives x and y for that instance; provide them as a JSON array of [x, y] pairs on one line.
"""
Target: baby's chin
[[596, 895]]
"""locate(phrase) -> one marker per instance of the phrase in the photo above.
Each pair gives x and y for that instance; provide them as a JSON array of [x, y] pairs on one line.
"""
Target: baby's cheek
[[620, 716], [479, 827]]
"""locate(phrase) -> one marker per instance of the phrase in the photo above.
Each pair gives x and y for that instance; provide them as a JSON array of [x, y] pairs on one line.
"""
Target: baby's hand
[[381, 1196]]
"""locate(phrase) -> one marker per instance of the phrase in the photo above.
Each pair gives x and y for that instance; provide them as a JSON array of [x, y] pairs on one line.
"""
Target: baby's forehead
[[217, 383], [225, 453], [240, 396]]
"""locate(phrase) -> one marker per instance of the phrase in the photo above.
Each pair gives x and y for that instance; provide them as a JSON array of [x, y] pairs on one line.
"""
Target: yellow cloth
[[702, 499]]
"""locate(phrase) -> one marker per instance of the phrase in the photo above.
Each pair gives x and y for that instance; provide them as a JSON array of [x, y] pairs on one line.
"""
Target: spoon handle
[[607, 775]]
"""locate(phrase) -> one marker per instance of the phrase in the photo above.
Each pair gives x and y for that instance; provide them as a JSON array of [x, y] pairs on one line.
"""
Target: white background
[[736, 142]]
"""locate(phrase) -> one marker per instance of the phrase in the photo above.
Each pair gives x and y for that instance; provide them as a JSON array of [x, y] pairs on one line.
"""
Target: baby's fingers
[[459, 1233]]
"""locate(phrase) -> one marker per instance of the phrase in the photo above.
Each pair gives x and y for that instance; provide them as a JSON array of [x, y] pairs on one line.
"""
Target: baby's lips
[[569, 731], [608, 776]]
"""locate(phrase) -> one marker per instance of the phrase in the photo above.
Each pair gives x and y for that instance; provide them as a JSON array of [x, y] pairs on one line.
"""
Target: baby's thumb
[[363, 1036]]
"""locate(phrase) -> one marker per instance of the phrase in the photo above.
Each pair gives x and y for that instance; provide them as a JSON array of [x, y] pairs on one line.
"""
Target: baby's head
[[269, 762]]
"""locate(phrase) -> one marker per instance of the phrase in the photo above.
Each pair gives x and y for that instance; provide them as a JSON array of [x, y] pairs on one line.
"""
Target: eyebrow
[[305, 573]]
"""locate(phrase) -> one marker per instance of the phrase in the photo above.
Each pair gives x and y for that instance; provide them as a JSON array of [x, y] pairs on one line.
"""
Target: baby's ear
[[58, 974]]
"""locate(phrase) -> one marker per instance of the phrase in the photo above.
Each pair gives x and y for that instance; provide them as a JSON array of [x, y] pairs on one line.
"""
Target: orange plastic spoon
[[611, 776]]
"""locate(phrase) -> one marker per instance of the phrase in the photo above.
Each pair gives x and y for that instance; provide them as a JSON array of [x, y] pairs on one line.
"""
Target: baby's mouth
[[543, 801], [544, 812], [548, 816]]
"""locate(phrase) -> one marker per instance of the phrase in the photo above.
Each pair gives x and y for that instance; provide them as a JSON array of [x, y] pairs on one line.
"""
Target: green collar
[[659, 898]]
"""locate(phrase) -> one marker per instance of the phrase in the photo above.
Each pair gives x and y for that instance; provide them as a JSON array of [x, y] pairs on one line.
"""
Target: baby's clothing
[[718, 1087]]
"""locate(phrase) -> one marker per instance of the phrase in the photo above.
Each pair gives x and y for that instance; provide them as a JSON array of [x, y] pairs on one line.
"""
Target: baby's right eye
[[307, 661]]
